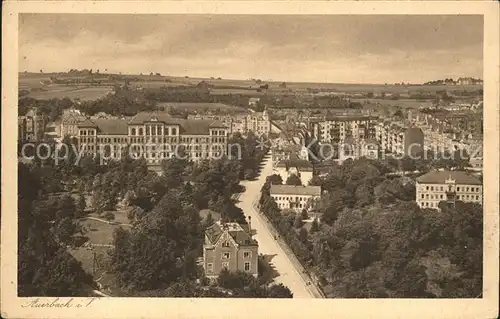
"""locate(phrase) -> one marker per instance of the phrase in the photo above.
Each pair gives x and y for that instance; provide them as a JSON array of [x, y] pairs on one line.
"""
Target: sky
[[300, 48]]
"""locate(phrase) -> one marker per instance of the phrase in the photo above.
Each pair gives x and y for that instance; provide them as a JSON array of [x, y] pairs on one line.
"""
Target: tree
[[293, 180], [303, 214], [279, 291], [82, 204], [314, 226], [298, 222], [303, 235]]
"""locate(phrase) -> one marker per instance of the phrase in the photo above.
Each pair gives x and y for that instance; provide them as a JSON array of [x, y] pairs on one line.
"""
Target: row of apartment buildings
[[367, 135], [257, 122]]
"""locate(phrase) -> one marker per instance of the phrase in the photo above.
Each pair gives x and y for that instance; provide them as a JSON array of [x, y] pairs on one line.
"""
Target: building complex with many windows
[[448, 186], [336, 128], [257, 122], [399, 139], [154, 136]]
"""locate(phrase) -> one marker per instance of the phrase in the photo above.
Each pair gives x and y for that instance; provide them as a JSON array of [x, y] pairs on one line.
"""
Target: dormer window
[[154, 119], [225, 244]]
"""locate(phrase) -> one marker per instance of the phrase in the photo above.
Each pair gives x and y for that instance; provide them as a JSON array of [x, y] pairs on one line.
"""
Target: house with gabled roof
[[230, 246]]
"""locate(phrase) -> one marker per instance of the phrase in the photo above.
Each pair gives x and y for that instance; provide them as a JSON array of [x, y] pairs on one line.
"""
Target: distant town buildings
[[294, 197], [352, 149], [448, 186], [31, 127], [336, 128], [155, 136], [256, 122], [230, 246], [69, 122], [399, 139]]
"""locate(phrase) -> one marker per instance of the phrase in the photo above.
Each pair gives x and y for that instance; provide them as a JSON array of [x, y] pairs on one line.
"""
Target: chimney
[[250, 224]]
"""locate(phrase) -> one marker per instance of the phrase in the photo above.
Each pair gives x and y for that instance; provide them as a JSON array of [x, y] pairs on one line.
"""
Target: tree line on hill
[[373, 241]]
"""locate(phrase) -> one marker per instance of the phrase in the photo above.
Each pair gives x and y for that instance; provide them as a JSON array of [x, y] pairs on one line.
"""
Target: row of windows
[[458, 188], [290, 198], [225, 265], [284, 205], [153, 130]]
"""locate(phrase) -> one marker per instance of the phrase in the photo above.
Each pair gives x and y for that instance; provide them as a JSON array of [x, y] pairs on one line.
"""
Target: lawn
[[99, 232]]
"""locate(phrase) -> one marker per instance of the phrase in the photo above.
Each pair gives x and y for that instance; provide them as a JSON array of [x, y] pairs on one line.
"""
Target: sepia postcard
[[250, 159]]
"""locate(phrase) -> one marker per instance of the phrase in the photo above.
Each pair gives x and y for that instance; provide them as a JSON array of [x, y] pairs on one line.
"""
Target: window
[[426, 188], [247, 266], [226, 255], [458, 189], [441, 188], [174, 131], [210, 267], [467, 189], [422, 195], [477, 197], [432, 188], [246, 254], [225, 265], [141, 131]]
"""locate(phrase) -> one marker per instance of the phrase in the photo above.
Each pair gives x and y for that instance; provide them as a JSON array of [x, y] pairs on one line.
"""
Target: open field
[[201, 106], [229, 86], [86, 94], [404, 103]]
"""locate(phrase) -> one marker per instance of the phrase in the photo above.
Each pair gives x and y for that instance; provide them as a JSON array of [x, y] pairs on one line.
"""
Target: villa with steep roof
[[154, 136], [448, 186], [230, 246]]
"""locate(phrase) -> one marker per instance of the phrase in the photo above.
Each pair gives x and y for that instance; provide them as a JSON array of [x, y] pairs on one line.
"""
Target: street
[[288, 274]]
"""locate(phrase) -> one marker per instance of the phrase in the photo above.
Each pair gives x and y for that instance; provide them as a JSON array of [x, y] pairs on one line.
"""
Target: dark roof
[[295, 190], [439, 177], [187, 126], [112, 126], [142, 117], [236, 231]]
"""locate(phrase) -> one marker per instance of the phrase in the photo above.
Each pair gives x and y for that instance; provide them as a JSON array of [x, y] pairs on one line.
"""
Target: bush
[[109, 216]]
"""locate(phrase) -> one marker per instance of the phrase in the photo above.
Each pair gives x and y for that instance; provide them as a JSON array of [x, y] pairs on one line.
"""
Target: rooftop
[[235, 230], [118, 126], [295, 190], [439, 177]]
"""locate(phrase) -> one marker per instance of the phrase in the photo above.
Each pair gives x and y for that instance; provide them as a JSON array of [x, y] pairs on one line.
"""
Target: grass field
[[84, 94]]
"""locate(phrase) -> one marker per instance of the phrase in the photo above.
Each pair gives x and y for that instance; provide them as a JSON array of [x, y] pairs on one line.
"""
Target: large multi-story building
[[294, 197], [448, 186], [399, 139], [336, 128], [154, 136], [230, 246]]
